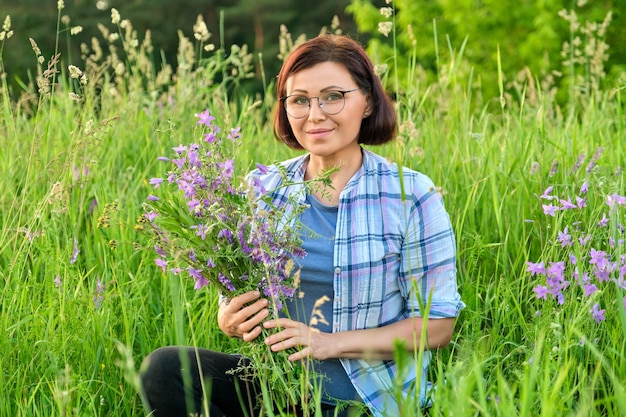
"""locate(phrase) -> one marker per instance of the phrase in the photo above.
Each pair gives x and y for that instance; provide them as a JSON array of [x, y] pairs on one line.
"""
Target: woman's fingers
[[243, 314]]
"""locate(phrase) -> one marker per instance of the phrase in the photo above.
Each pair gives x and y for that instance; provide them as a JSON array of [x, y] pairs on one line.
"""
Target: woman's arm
[[375, 343]]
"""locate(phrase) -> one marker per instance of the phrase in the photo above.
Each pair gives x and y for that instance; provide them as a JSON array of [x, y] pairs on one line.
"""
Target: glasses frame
[[319, 103]]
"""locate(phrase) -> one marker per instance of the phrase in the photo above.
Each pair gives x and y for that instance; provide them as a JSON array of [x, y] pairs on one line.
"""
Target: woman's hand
[[293, 334], [241, 317]]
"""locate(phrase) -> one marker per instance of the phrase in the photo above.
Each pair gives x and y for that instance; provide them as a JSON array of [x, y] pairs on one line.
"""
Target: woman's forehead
[[319, 77]]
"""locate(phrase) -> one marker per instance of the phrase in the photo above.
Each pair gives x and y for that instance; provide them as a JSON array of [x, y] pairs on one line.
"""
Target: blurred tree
[[529, 34], [255, 23]]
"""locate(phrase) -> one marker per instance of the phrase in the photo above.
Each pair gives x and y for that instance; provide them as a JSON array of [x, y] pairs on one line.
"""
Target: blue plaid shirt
[[394, 248]]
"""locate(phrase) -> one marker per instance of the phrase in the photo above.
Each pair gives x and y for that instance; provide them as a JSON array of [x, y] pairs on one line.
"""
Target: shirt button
[[337, 270]]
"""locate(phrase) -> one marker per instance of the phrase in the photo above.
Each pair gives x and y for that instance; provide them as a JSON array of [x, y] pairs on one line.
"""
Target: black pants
[[173, 378]]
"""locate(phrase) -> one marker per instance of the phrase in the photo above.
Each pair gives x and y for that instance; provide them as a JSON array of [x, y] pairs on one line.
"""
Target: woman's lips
[[319, 133]]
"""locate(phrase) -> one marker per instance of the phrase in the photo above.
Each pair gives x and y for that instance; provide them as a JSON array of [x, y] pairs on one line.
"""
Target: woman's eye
[[301, 101], [333, 96]]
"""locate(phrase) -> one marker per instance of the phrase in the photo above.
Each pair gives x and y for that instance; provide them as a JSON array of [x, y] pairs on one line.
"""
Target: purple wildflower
[[535, 268], [541, 291], [160, 251], [258, 185], [549, 209], [567, 204], [579, 162], [263, 169], [153, 198], [581, 202], [565, 238], [180, 149], [179, 162], [196, 274], [201, 230], [161, 263], [598, 315], [227, 234], [75, 252], [93, 205], [547, 194], [156, 182], [57, 281], [163, 159], [226, 282], [193, 205], [589, 289], [615, 199], [204, 118], [554, 168], [583, 240], [594, 159], [584, 188], [97, 299], [234, 133], [227, 167], [599, 258], [210, 137], [151, 215]]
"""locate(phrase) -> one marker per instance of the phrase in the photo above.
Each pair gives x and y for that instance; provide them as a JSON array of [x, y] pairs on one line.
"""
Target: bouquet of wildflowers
[[217, 231], [228, 234]]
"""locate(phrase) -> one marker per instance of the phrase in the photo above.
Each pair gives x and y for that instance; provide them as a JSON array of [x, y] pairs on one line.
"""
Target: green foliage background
[[529, 34], [76, 157]]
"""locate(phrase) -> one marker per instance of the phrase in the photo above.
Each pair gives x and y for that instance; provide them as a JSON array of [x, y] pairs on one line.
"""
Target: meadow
[[534, 185]]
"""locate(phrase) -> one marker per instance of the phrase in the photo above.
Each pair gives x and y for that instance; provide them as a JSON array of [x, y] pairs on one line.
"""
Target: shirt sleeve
[[428, 267]]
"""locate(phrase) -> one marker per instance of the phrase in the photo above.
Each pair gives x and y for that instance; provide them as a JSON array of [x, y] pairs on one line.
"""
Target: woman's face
[[325, 135]]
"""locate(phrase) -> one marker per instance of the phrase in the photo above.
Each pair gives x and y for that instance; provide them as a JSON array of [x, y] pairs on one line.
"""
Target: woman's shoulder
[[389, 173]]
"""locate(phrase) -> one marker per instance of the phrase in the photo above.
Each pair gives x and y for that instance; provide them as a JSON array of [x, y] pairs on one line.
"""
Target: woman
[[380, 250]]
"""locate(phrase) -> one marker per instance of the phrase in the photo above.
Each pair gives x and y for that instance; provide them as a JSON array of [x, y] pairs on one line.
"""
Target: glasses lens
[[332, 102], [297, 106]]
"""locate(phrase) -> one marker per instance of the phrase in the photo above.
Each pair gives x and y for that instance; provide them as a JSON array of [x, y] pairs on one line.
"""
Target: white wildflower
[[6, 29], [200, 30], [76, 30], [386, 11], [75, 72], [74, 97], [60, 4], [385, 27], [115, 16]]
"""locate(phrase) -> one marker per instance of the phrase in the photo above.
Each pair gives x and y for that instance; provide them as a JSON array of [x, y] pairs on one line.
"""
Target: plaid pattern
[[394, 251]]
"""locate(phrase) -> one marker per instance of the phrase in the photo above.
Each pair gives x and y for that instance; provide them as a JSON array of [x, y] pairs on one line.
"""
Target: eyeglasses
[[331, 102]]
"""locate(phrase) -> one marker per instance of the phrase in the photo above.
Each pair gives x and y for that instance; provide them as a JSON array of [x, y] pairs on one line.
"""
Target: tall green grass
[[82, 303]]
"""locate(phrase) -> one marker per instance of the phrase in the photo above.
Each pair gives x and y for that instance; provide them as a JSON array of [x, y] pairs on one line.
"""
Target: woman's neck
[[343, 171]]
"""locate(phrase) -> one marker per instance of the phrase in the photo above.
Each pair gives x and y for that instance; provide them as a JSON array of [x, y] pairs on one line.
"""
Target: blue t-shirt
[[316, 281]]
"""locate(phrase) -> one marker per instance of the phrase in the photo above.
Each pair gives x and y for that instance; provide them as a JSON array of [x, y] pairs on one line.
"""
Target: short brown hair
[[380, 127]]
